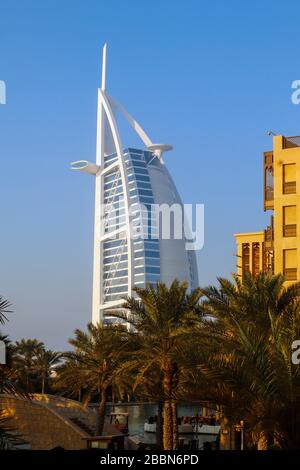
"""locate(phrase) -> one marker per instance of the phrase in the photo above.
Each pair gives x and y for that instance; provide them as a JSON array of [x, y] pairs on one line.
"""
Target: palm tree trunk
[[43, 384], [174, 424], [168, 418], [168, 426], [101, 412], [27, 381], [159, 425], [264, 441], [226, 432]]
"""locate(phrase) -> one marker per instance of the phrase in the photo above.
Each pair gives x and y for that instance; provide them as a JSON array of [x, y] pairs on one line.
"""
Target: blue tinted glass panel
[[136, 164], [151, 254], [138, 171], [121, 258], [143, 185], [152, 270], [153, 245], [118, 289], [142, 178], [112, 244], [153, 262], [122, 272], [139, 270], [147, 199], [145, 192], [133, 150], [152, 278]]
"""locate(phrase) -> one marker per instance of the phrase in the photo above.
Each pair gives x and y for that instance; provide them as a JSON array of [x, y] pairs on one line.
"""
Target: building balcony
[[268, 254], [269, 234], [268, 181]]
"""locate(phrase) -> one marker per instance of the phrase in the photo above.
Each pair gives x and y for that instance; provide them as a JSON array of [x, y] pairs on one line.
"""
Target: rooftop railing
[[291, 142]]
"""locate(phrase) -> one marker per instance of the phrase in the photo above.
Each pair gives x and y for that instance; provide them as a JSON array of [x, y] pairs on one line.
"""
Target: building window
[[289, 178], [255, 259], [245, 258], [289, 264], [289, 221]]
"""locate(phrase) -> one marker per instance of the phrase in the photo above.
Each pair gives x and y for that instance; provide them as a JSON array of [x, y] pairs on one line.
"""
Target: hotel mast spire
[[103, 84]]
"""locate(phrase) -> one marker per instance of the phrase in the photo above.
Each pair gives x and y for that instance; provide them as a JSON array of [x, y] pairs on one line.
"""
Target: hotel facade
[[277, 248], [129, 182]]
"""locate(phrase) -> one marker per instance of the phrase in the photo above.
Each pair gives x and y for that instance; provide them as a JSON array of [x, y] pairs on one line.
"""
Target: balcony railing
[[269, 234], [268, 261], [290, 230], [269, 194], [289, 187], [290, 274]]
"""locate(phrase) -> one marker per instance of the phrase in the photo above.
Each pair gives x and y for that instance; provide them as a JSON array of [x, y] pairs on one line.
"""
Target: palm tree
[[145, 387], [7, 376], [44, 364], [8, 437], [162, 319], [150, 387], [25, 353], [92, 366], [4, 309], [248, 368]]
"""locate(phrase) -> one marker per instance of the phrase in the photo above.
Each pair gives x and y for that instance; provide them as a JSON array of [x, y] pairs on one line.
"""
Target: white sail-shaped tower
[[128, 182]]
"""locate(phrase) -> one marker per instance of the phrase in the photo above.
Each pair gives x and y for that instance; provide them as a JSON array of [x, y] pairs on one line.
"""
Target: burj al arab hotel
[[128, 183]]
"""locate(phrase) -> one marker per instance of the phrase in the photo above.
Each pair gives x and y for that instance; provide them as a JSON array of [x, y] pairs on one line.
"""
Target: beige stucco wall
[[42, 427], [283, 157]]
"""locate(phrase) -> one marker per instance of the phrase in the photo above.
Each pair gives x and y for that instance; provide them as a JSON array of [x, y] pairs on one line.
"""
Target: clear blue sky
[[210, 77]]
